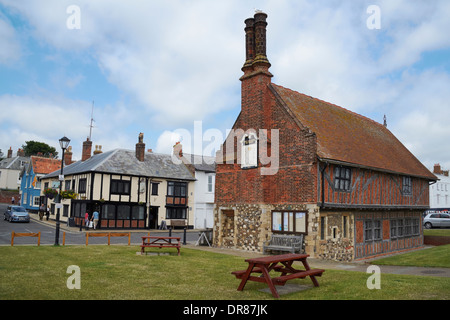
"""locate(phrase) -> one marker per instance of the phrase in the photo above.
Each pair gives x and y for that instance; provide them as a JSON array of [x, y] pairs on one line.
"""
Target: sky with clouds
[[167, 67]]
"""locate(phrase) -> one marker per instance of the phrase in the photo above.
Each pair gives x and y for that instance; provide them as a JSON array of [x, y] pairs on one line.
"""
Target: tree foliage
[[33, 148]]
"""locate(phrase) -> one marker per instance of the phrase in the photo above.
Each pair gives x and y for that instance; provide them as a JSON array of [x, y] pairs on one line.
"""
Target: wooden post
[[12, 238], [129, 238], [87, 238], [64, 238], [109, 238], [39, 238]]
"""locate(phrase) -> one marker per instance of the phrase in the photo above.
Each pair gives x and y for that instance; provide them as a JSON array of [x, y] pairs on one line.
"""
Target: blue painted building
[[30, 187]]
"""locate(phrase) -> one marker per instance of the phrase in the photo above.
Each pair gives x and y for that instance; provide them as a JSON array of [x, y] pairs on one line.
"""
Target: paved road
[[73, 235]]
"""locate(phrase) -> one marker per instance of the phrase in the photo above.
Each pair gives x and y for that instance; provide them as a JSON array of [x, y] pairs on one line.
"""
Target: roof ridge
[[332, 104]]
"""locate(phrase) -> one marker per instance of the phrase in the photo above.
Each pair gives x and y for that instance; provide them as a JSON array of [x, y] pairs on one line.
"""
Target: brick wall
[[6, 195]]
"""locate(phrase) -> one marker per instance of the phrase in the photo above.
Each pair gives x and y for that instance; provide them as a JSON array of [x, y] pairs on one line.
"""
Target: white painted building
[[205, 175], [440, 191]]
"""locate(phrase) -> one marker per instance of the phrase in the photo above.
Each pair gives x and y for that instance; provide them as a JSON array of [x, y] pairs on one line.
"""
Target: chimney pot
[[98, 149], [10, 152]]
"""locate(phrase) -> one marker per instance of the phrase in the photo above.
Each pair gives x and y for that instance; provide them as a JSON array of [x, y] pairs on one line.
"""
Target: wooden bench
[[160, 242], [287, 243], [240, 273], [299, 275]]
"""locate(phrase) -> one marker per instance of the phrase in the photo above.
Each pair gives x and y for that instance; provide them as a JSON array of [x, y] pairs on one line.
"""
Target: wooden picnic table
[[281, 263], [160, 242]]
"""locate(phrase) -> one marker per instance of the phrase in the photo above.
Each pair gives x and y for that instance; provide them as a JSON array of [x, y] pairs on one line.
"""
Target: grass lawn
[[437, 232], [116, 272], [438, 256]]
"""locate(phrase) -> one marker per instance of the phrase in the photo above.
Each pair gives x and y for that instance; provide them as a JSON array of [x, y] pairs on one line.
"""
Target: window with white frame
[[210, 183], [249, 151]]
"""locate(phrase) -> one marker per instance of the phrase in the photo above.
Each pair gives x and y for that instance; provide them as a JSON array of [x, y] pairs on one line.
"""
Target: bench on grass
[[160, 242], [281, 263], [278, 242]]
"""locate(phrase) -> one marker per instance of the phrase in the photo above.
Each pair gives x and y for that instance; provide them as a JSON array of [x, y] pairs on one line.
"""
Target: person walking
[[86, 220], [95, 218], [41, 211]]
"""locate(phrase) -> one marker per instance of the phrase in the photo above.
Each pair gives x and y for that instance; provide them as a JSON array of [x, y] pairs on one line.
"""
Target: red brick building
[[339, 178]]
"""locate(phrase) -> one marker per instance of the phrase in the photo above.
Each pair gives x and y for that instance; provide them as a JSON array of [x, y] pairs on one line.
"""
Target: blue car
[[17, 214]]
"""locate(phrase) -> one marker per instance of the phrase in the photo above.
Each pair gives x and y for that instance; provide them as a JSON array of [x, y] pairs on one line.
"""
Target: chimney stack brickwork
[[68, 156], [86, 152], [140, 148]]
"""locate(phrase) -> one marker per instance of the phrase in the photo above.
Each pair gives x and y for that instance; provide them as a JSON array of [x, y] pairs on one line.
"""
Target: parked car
[[436, 220], [16, 213]]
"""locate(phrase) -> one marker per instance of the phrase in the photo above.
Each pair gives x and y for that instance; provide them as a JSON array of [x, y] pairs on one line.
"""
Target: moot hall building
[[343, 181]]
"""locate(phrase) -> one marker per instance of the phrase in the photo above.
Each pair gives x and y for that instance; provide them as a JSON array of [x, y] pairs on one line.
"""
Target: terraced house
[[131, 189], [341, 179]]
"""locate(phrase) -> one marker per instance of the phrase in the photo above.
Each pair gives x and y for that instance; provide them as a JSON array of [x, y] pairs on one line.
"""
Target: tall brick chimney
[[10, 153], [86, 152], [256, 79], [68, 156], [140, 148], [256, 61]]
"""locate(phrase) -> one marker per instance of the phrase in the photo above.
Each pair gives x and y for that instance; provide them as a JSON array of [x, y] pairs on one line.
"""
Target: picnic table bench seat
[[160, 242], [288, 243], [281, 280]]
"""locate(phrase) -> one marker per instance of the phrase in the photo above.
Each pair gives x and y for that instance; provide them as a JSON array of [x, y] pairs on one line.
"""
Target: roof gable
[[345, 136]]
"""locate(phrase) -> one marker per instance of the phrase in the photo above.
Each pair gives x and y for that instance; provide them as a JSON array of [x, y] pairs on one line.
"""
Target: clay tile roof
[[348, 137], [45, 165]]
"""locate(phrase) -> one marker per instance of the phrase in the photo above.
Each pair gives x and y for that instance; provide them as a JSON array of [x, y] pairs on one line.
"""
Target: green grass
[[437, 232], [438, 256], [116, 272]]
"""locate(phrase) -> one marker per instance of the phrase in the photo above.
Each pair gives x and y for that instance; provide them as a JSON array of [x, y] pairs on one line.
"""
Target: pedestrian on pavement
[[48, 212], [41, 211], [86, 220], [95, 218], [13, 200]]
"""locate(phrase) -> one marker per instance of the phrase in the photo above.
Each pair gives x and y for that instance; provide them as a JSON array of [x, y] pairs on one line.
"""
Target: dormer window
[[249, 151]]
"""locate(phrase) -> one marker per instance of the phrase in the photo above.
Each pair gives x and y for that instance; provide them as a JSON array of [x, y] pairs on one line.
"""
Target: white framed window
[[36, 201], [249, 151], [210, 183]]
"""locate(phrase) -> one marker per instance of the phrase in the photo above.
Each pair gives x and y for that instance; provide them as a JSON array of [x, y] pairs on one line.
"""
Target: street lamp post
[[64, 143]]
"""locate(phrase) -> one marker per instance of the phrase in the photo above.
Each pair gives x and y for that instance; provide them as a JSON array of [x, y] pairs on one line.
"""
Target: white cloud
[[179, 61], [10, 49], [166, 141]]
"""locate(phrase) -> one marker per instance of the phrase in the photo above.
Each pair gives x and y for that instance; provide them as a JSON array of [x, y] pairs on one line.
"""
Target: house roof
[[14, 163], [120, 161], [43, 165], [345, 136], [201, 163]]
